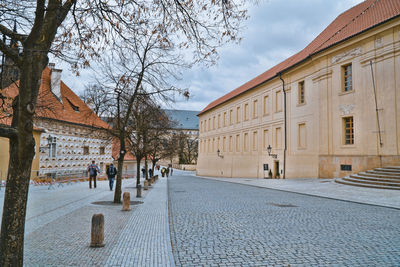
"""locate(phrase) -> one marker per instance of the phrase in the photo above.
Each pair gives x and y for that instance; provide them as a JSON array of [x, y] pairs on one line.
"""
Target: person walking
[[111, 172], [93, 170], [143, 172], [172, 170], [150, 172]]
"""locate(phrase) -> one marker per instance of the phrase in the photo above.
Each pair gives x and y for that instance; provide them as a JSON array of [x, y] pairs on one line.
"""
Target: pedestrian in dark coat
[[111, 173]]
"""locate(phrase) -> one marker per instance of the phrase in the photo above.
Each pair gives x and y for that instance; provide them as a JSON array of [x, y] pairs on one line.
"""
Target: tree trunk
[[22, 151], [118, 184], [118, 190], [137, 171], [146, 168]]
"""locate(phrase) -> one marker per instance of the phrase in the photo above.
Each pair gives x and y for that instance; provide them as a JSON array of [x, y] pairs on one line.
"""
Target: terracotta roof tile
[[48, 105], [351, 22], [115, 151]]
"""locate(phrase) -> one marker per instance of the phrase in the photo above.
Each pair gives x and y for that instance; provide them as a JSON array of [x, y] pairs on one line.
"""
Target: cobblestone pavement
[[216, 223], [58, 227], [324, 188]]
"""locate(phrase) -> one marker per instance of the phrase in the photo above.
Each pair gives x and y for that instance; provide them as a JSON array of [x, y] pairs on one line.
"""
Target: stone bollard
[[97, 235], [139, 190], [146, 185], [152, 180], [126, 202]]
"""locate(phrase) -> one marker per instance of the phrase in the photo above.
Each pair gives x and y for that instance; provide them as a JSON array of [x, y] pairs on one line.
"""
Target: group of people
[[93, 170], [111, 172]]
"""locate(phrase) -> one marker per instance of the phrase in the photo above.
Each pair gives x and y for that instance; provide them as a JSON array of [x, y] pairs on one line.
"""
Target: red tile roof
[[115, 151], [48, 106], [356, 20]]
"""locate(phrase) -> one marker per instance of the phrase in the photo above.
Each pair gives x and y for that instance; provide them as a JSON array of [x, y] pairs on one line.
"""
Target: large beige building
[[330, 110]]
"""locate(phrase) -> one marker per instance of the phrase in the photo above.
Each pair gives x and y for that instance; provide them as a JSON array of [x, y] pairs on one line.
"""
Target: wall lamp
[[219, 154], [269, 149]]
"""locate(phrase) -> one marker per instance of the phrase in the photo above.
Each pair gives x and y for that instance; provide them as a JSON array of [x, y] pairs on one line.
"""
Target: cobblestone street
[[215, 223]]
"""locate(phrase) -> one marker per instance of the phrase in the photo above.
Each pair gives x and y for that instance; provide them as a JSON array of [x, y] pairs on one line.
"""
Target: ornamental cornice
[[346, 109], [322, 74], [346, 55]]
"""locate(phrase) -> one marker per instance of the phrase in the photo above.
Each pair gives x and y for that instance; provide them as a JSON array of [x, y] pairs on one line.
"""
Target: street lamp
[[219, 154], [269, 149]]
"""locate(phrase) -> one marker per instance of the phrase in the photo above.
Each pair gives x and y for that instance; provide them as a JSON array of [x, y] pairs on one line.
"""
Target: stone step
[[392, 170], [345, 182], [393, 167], [379, 175], [362, 176], [383, 172], [381, 183]]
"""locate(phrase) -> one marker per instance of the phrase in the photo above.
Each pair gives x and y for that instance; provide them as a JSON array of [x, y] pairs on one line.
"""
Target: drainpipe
[[285, 122]]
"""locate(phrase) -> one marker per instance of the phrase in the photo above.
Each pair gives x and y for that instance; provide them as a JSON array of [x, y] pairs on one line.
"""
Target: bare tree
[[79, 31], [188, 148], [99, 99]]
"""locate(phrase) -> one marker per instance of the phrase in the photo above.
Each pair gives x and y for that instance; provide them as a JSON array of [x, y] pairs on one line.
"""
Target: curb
[[171, 255]]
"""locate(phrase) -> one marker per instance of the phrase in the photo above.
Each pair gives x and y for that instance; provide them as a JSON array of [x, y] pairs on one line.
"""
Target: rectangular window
[[224, 123], [213, 145], [209, 146], [224, 144], [347, 78], [237, 114], [246, 142], [52, 146], [238, 143], [344, 167], [278, 138], [230, 143], [348, 126], [85, 150], [218, 143], [266, 105], [219, 121], [102, 150], [246, 111], [302, 136], [231, 117], [255, 108], [209, 124], [278, 101], [255, 139], [265, 139], [301, 93], [213, 124]]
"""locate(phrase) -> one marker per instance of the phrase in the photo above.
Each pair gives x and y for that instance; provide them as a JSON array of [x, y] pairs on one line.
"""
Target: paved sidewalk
[[58, 227], [323, 188]]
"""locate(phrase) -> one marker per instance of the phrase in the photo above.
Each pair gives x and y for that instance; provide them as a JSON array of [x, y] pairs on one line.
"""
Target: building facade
[[68, 134], [330, 110]]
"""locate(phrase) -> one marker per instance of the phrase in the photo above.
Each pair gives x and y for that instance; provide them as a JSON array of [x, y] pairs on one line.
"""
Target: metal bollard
[[97, 234], [126, 201], [139, 190]]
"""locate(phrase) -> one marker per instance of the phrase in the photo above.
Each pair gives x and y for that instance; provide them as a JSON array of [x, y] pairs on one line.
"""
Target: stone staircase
[[383, 178]]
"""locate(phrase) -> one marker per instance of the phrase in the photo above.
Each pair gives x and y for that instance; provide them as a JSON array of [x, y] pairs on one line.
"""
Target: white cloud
[[276, 30]]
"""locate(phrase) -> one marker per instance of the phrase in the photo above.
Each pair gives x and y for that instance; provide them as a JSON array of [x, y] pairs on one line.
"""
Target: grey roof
[[185, 119]]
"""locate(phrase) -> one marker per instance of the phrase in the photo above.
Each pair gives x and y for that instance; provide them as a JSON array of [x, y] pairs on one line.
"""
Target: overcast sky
[[275, 30]]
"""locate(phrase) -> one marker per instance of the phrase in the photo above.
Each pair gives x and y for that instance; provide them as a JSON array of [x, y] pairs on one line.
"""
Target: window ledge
[[348, 146], [346, 93], [301, 104]]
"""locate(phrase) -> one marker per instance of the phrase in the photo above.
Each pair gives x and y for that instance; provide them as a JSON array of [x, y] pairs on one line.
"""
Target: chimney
[[55, 75]]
